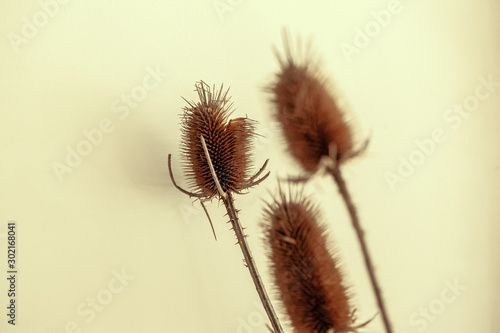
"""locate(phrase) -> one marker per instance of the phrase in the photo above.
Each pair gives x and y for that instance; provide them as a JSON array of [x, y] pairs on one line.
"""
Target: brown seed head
[[311, 120], [228, 142], [307, 276]]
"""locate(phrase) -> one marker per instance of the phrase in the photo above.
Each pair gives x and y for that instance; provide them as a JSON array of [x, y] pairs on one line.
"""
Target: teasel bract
[[306, 274], [217, 153], [317, 133]]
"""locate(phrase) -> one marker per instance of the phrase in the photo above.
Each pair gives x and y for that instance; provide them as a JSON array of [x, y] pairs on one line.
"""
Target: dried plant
[[217, 160], [317, 133], [311, 120], [307, 275], [228, 143]]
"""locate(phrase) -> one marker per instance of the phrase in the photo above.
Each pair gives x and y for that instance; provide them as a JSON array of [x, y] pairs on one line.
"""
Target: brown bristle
[[310, 117], [228, 142], [307, 276]]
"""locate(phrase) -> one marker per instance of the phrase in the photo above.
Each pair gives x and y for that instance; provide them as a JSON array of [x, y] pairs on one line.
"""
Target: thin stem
[[208, 215], [190, 194], [337, 176], [257, 174], [250, 263]]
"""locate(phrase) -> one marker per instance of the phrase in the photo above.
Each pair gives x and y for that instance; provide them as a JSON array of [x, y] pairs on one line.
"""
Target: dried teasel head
[[228, 143], [312, 122], [307, 276]]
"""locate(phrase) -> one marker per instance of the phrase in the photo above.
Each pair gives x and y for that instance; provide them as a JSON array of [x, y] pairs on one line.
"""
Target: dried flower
[[311, 120], [307, 276], [318, 135], [217, 160], [228, 143]]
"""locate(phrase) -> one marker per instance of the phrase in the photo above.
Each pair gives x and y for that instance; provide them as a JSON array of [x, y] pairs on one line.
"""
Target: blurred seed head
[[311, 120], [229, 142], [306, 274]]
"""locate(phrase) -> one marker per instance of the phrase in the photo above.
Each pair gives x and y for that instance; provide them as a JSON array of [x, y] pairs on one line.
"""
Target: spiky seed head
[[310, 117], [228, 142], [306, 274]]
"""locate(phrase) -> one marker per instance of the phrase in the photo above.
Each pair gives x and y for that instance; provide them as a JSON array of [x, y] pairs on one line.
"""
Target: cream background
[[118, 209]]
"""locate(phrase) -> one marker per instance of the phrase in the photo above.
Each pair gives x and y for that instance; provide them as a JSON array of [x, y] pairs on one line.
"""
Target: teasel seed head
[[309, 114], [306, 274], [229, 142]]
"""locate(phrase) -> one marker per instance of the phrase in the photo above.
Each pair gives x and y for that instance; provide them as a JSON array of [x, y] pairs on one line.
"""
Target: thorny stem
[[337, 176], [228, 201], [250, 263]]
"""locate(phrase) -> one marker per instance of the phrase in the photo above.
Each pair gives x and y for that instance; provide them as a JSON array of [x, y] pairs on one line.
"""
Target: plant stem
[[228, 201], [250, 263], [337, 176]]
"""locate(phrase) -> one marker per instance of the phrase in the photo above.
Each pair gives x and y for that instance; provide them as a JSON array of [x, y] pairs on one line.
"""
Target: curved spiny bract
[[310, 117], [228, 143], [307, 276]]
